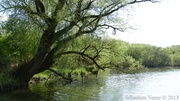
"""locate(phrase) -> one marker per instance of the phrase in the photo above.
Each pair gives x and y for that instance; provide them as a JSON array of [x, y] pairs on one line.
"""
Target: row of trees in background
[[152, 56]]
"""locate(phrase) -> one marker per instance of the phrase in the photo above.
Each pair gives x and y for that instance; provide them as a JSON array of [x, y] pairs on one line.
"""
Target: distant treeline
[[152, 56]]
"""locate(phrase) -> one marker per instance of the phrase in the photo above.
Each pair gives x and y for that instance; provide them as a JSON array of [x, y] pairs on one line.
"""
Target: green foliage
[[112, 54], [18, 43], [174, 53], [136, 51], [92, 46], [129, 65], [150, 56], [175, 60]]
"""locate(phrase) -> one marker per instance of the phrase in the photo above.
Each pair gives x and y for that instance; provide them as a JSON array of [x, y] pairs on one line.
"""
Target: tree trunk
[[39, 63]]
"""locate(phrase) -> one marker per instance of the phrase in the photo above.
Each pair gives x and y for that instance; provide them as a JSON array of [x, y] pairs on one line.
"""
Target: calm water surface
[[109, 87]]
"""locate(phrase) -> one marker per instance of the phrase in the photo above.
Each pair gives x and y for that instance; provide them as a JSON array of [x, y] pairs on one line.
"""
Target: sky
[[156, 24]]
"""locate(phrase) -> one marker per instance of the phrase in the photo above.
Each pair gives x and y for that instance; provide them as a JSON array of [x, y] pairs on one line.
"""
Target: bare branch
[[88, 5], [61, 75], [83, 54]]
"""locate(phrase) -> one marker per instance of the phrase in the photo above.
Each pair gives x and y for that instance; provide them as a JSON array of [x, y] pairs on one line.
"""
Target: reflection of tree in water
[[77, 91]]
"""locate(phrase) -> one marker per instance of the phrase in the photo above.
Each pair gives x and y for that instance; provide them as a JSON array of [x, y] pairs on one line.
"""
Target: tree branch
[[61, 75], [85, 55], [88, 5], [59, 7], [112, 10]]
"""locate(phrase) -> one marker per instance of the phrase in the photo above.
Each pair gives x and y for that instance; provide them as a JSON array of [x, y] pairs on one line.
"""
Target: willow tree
[[57, 23]]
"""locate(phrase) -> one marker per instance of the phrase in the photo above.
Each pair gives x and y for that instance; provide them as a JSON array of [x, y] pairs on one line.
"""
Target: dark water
[[160, 84]]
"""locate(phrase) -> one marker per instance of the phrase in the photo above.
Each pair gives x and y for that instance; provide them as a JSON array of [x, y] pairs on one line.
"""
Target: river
[[152, 85]]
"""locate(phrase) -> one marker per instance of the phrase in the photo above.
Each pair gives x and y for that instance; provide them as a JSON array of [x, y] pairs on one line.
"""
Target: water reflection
[[112, 87], [77, 91], [156, 82]]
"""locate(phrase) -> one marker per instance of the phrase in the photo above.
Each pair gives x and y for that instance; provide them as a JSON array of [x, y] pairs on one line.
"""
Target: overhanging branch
[[61, 75], [119, 6], [83, 55]]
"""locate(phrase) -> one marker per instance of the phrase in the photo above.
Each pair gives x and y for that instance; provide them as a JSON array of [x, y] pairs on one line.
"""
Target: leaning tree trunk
[[43, 59], [40, 62]]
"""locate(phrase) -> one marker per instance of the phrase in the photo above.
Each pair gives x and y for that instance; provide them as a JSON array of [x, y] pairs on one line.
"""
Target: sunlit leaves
[[19, 44]]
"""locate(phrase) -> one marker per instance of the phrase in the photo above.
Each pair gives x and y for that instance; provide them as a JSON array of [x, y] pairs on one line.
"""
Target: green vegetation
[[152, 56], [66, 38], [108, 53]]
